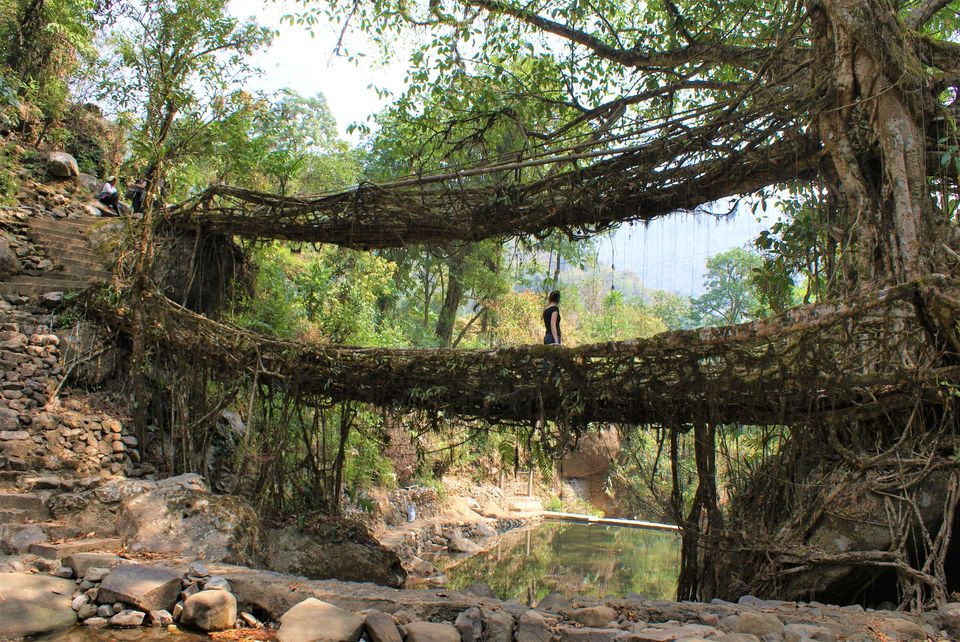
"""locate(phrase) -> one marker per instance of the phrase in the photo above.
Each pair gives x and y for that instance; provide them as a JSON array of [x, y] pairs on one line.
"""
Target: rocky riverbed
[[105, 591]]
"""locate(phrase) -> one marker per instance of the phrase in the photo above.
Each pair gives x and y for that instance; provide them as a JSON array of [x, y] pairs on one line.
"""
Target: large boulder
[[587, 466], [432, 632], [333, 549], [9, 263], [497, 625], [850, 526], [200, 272], [594, 616], [314, 621], [457, 543], [533, 627], [270, 593], [180, 516], [81, 562], [17, 538], [90, 182], [34, 604], [594, 454], [470, 625], [759, 624], [149, 588], [381, 627], [62, 165], [211, 610]]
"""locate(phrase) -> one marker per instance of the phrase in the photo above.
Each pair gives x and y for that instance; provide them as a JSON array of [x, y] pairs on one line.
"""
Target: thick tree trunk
[[888, 231], [872, 132], [452, 297], [346, 422], [142, 283], [703, 527]]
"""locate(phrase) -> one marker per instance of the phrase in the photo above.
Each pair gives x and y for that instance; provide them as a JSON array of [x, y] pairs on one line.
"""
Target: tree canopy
[[688, 102]]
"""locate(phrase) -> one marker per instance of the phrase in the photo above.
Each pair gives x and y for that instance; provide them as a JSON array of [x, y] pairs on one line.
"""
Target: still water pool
[[573, 559]]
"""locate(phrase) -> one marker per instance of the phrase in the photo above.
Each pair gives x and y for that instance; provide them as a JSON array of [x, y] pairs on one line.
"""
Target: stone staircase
[[27, 526], [16, 508], [66, 244]]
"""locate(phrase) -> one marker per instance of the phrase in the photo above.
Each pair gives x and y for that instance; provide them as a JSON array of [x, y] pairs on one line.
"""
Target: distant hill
[[603, 277]]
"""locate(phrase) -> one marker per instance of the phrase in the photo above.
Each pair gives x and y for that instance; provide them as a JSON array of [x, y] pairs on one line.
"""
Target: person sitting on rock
[[109, 195]]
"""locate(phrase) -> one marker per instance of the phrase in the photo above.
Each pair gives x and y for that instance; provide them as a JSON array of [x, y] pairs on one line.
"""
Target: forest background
[[174, 78]]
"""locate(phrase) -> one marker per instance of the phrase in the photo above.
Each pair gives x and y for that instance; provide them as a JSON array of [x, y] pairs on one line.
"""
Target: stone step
[[35, 286], [58, 280], [52, 247], [64, 231], [10, 516], [79, 270], [60, 550], [61, 254], [12, 476], [42, 316], [66, 255], [73, 223], [58, 531], [54, 530], [71, 258], [24, 501], [71, 261], [78, 234], [37, 481], [55, 238]]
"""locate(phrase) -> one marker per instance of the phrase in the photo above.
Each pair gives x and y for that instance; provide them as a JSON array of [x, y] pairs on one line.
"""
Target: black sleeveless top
[[546, 321]]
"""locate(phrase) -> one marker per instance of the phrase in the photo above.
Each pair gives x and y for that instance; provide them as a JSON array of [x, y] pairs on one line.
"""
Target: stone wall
[[37, 431], [18, 252]]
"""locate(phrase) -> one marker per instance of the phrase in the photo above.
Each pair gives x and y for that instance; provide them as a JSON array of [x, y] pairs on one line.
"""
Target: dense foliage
[[172, 75], [841, 113]]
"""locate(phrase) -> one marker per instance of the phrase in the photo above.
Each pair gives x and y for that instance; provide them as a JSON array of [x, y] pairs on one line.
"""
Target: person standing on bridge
[[551, 320], [552, 334]]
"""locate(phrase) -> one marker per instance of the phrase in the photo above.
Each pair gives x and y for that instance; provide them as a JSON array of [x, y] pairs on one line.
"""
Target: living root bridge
[[635, 185], [860, 358]]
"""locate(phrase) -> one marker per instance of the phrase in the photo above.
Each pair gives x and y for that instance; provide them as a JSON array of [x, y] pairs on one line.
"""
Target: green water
[[574, 559]]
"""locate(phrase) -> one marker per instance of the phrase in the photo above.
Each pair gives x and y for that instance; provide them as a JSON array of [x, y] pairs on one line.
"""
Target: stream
[[572, 559]]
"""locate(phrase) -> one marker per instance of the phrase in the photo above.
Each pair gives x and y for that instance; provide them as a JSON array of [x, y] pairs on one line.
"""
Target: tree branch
[[708, 53], [923, 13]]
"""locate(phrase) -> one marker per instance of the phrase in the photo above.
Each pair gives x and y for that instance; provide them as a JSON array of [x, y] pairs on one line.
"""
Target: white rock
[[127, 619], [62, 165], [214, 610], [314, 621]]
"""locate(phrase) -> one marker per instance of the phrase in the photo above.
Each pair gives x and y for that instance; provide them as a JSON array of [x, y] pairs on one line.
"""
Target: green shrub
[[554, 504], [9, 180]]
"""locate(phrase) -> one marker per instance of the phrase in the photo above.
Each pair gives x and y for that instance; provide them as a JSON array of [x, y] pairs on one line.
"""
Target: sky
[[307, 65], [667, 254], [671, 253]]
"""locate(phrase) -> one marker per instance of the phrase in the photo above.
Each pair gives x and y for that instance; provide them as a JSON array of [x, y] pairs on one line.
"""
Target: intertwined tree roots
[[648, 181], [855, 360]]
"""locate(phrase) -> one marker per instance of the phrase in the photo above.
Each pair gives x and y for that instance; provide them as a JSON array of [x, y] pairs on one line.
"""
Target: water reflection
[[574, 559]]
